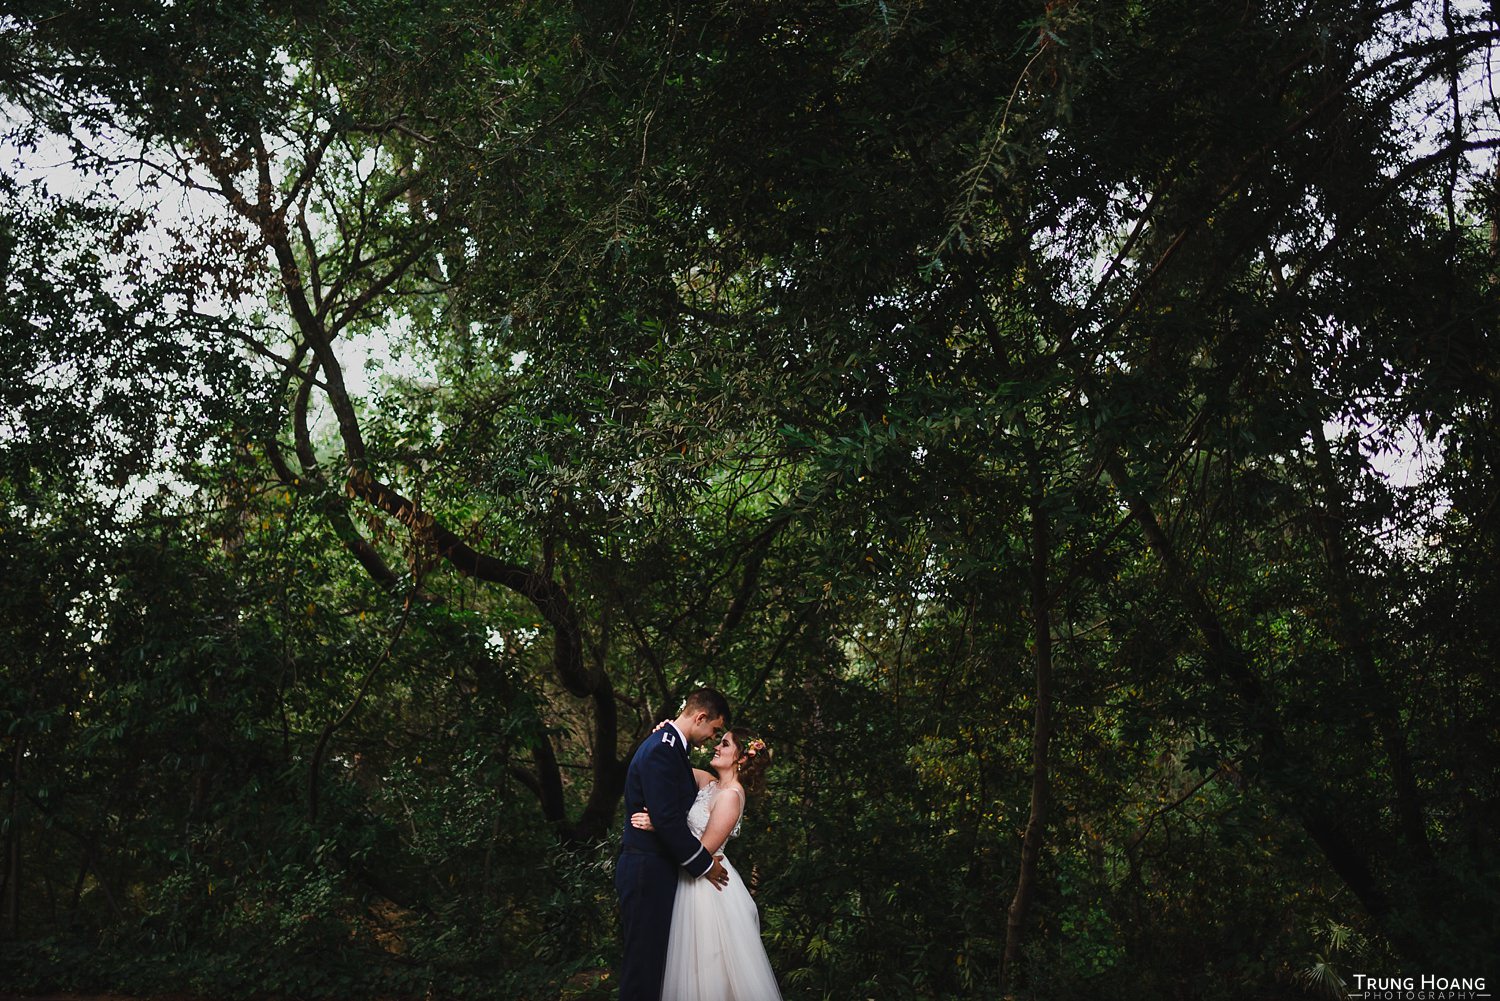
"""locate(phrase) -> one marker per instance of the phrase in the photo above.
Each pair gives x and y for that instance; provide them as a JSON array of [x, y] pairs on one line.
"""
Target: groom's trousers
[[647, 885]]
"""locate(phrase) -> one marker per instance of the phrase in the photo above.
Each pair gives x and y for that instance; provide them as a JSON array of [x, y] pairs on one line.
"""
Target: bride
[[714, 952]]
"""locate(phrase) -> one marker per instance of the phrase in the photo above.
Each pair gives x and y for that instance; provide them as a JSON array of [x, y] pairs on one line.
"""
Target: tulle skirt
[[714, 952]]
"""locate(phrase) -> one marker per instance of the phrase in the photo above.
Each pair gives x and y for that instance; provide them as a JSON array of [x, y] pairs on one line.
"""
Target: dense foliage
[[1065, 429]]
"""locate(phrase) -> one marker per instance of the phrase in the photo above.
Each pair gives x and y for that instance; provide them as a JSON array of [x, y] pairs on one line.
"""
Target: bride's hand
[[641, 821], [660, 725]]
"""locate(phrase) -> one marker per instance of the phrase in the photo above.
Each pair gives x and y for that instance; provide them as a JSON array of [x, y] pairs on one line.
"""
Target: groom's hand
[[717, 874]]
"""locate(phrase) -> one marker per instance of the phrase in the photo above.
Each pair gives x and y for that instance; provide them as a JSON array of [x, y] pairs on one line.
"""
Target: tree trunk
[[1355, 864], [1354, 631], [13, 846], [1036, 824]]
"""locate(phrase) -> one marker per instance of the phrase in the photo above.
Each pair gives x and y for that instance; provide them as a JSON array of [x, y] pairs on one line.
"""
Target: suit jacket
[[660, 779]]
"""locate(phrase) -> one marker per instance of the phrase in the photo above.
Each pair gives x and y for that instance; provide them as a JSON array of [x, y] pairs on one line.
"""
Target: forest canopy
[[1066, 431]]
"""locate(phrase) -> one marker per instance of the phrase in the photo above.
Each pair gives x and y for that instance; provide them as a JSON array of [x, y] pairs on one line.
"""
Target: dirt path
[[589, 985], [98, 997], [112, 997], [139, 997]]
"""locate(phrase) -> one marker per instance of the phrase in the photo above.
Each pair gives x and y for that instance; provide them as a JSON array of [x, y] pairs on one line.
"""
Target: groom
[[661, 778]]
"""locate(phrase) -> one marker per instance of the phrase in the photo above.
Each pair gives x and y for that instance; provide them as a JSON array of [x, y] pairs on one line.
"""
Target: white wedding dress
[[714, 952]]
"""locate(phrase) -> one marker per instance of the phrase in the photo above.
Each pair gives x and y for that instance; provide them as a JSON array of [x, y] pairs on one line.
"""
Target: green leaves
[[765, 335]]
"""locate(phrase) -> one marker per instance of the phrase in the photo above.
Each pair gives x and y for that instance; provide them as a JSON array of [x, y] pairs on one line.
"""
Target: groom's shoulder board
[[669, 738]]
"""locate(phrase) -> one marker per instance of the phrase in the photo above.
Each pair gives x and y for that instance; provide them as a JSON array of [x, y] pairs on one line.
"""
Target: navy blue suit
[[660, 779]]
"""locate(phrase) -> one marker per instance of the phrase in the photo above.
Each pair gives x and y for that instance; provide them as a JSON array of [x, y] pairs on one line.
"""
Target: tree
[[872, 359]]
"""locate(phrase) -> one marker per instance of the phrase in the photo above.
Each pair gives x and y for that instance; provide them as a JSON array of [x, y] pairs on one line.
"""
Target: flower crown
[[754, 747]]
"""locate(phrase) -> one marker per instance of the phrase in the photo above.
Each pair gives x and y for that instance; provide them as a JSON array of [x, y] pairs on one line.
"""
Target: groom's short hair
[[709, 700]]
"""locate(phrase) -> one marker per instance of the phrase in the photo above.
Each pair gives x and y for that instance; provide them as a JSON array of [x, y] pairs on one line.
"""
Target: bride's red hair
[[754, 758]]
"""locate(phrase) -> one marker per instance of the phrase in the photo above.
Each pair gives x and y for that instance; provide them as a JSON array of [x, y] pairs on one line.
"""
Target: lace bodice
[[697, 815]]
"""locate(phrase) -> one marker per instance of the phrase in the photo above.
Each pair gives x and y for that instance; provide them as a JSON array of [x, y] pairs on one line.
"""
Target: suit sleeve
[[662, 775]]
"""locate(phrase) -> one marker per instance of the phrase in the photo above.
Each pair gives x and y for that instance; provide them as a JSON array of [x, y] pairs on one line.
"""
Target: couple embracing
[[690, 929]]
